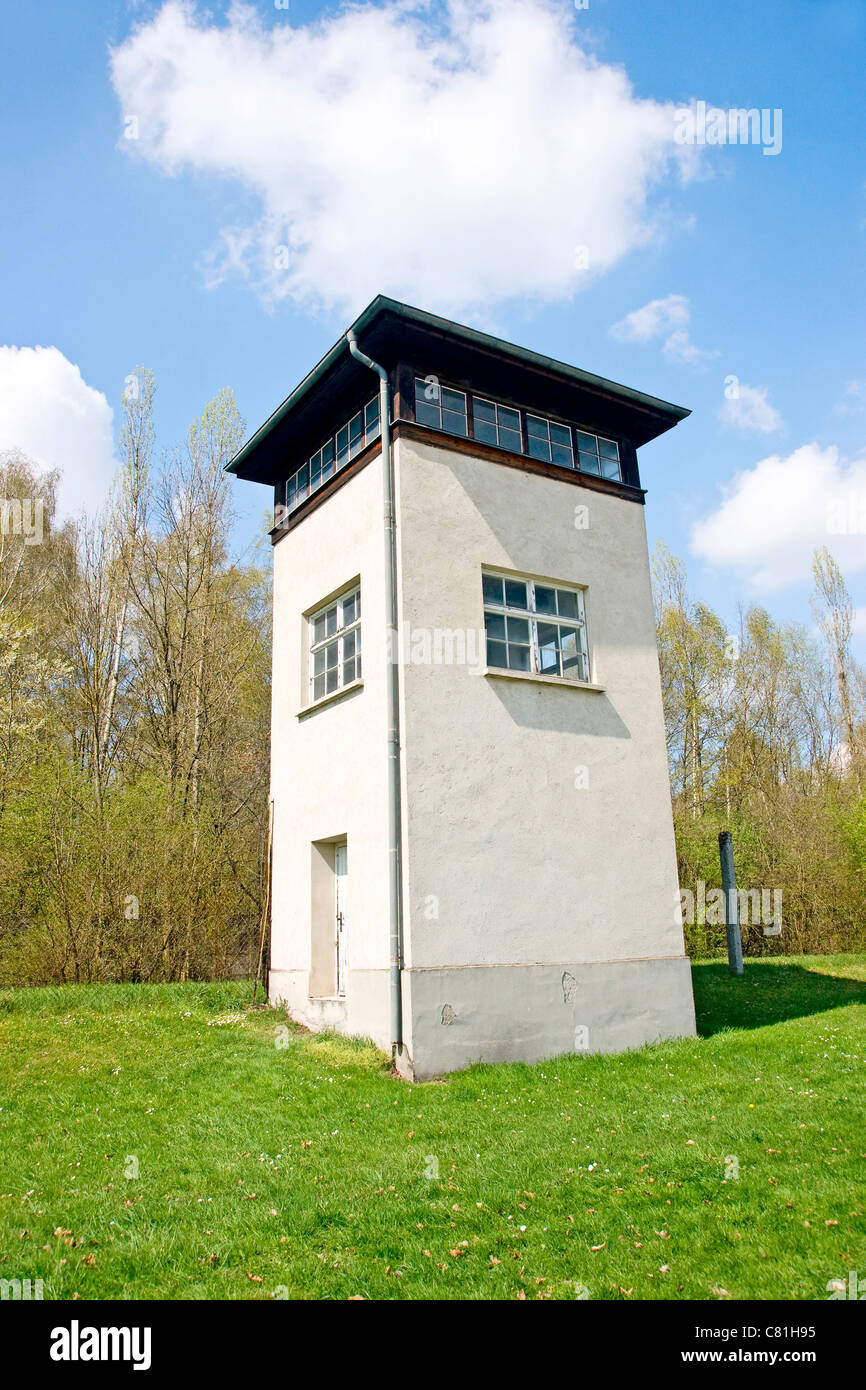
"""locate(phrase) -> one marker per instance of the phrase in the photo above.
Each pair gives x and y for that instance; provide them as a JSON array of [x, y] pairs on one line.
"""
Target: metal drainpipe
[[395, 876]]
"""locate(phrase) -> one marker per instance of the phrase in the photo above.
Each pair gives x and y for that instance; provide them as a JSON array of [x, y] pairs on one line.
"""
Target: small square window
[[598, 456], [440, 407], [497, 424]]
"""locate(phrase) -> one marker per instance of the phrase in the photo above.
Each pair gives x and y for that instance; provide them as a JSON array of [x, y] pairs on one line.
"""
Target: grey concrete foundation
[[526, 1013]]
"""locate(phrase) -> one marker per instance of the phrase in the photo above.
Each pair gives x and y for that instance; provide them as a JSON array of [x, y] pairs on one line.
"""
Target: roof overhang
[[392, 333]]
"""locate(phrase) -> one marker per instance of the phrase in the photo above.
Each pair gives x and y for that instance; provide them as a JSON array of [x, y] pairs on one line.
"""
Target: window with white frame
[[335, 644], [597, 455], [535, 627], [439, 406], [548, 440], [497, 424]]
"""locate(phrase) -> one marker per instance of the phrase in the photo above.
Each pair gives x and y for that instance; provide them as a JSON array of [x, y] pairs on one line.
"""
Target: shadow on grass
[[766, 993]]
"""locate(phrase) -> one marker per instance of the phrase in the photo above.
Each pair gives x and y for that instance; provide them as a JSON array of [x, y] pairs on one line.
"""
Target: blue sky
[[258, 130]]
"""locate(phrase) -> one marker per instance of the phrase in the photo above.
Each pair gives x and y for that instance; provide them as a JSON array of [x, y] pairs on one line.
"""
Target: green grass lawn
[[157, 1142]]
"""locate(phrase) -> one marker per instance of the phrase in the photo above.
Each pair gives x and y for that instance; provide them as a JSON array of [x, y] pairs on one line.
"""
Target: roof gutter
[[395, 874]]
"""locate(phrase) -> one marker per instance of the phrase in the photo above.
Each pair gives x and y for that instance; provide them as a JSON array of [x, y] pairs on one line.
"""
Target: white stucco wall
[[509, 862], [328, 768]]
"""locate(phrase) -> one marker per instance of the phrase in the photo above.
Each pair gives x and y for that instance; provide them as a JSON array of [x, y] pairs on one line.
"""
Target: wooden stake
[[267, 902]]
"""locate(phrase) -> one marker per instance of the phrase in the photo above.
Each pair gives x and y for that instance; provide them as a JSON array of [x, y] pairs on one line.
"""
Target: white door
[[341, 879]]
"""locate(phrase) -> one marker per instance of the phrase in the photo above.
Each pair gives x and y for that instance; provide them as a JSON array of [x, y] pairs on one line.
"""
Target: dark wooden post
[[732, 905]]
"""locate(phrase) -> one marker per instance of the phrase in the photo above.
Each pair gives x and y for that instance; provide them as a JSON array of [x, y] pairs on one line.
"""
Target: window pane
[[371, 417], [485, 433], [587, 442], [609, 468], [330, 656], [510, 439], [303, 476], [348, 645], [319, 662], [427, 414], [319, 629], [318, 687], [567, 603], [562, 456], [539, 448], [518, 658], [331, 621], [548, 661], [535, 425], [454, 423], [545, 600], [560, 434], [588, 463], [426, 391], [518, 630], [515, 593], [548, 635], [573, 666], [348, 610], [492, 586], [453, 400], [342, 445], [348, 671], [484, 410], [327, 458], [508, 418], [332, 680], [497, 654], [356, 435], [607, 448], [495, 625]]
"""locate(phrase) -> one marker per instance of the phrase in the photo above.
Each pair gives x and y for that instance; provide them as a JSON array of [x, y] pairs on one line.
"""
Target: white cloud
[[654, 318], [749, 409], [456, 156], [778, 512], [49, 412], [668, 318], [853, 400]]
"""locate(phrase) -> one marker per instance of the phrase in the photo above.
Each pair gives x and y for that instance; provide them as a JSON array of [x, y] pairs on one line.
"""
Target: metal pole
[[732, 904]]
